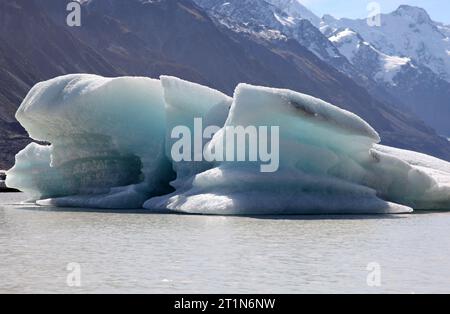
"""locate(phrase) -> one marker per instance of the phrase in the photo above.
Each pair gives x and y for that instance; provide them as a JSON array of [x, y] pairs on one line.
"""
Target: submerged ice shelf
[[111, 141]]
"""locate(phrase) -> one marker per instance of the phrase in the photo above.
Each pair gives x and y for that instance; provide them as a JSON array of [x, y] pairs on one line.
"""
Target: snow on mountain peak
[[406, 32], [284, 20], [391, 65], [347, 41], [381, 66], [295, 9], [347, 34], [275, 19]]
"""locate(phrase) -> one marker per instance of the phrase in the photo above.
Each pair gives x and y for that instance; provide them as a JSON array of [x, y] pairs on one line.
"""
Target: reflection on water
[[131, 251]]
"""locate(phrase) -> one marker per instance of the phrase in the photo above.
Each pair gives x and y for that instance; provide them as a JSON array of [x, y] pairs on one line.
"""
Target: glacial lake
[[138, 252]]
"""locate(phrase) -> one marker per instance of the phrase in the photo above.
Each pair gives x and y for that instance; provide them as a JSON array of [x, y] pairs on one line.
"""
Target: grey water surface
[[138, 252]]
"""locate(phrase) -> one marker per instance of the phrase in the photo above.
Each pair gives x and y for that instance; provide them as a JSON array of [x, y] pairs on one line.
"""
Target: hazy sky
[[439, 10]]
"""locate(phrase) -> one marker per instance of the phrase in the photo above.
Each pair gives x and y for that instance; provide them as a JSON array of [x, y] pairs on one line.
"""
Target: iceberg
[[112, 141]]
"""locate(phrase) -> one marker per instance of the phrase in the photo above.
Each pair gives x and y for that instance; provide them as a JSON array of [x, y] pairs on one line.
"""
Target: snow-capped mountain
[[382, 67], [408, 56], [278, 20], [407, 32], [419, 88]]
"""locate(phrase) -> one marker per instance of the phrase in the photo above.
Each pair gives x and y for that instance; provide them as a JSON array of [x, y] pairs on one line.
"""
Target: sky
[[439, 10]]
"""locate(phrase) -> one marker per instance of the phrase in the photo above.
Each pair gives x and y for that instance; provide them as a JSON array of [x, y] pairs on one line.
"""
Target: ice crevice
[[111, 142]]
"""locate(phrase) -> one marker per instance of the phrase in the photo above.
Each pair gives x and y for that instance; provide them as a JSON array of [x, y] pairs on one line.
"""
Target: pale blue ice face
[[105, 134]]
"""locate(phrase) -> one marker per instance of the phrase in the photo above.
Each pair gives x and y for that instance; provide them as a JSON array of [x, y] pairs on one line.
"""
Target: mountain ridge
[[179, 38], [408, 31], [422, 89]]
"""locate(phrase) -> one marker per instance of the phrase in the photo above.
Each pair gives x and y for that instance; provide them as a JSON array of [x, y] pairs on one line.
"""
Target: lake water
[[136, 252]]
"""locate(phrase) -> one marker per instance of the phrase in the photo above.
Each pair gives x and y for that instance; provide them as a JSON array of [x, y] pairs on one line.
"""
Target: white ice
[[111, 143]]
